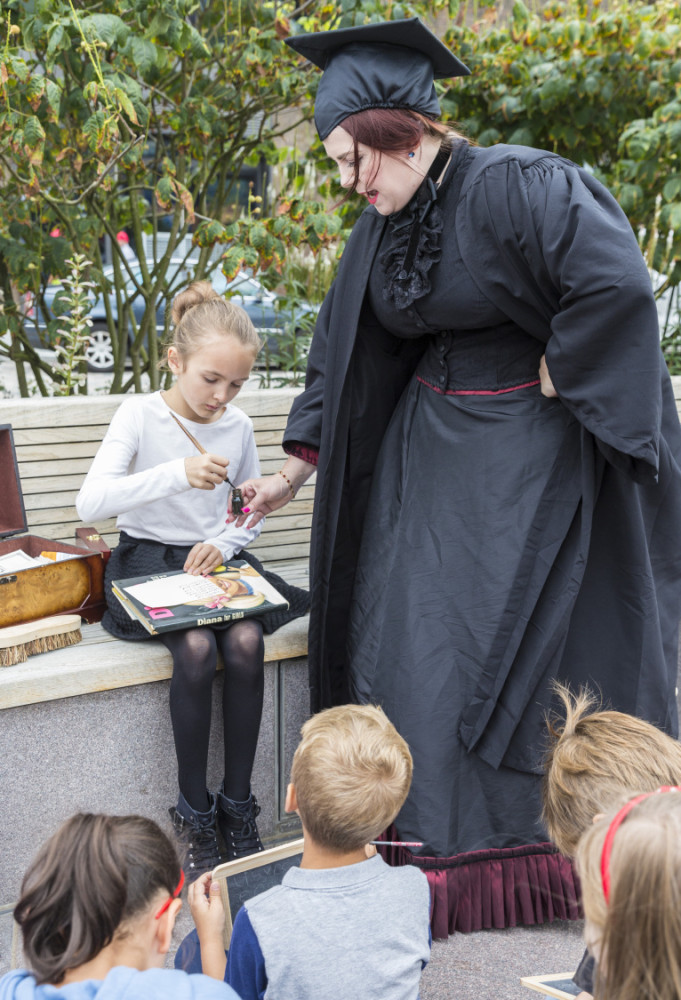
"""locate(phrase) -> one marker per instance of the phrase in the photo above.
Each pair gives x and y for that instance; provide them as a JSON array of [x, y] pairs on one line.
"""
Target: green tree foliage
[[600, 84], [122, 114]]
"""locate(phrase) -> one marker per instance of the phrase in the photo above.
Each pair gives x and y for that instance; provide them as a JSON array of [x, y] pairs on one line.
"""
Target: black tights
[[194, 654]]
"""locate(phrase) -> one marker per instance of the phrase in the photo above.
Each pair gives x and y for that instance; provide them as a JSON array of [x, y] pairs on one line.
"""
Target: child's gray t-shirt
[[359, 930]]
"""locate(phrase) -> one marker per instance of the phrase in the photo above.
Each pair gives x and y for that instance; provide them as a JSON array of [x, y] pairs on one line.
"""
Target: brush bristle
[[11, 655], [49, 642], [20, 652]]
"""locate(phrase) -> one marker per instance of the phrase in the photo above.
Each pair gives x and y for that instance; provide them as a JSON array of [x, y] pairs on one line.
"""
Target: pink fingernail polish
[[246, 510]]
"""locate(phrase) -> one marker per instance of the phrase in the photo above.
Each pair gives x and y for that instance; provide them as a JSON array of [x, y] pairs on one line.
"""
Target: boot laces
[[202, 851], [243, 831], [202, 848]]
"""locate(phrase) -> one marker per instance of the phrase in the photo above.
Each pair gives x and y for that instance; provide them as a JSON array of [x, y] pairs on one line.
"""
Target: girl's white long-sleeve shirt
[[138, 476]]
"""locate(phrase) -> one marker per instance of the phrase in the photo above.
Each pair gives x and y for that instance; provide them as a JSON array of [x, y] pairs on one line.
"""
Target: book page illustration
[[172, 590]]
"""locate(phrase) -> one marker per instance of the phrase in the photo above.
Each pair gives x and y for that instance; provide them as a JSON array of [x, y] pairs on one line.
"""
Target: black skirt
[[141, 556]]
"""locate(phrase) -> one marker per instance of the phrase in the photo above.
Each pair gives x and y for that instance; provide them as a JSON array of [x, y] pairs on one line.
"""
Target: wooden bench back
[[56, 440]]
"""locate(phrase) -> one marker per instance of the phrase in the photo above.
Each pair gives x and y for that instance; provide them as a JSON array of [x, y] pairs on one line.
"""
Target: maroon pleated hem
[[508, 887]]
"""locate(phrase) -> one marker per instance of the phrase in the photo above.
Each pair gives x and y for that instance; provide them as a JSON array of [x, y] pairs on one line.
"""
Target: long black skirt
[[455, 496]]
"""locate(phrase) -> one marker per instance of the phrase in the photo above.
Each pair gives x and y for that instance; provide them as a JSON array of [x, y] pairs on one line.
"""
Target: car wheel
[[99, 351]]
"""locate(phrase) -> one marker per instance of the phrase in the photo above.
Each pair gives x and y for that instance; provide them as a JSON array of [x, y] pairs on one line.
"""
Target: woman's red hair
[[390, 131]]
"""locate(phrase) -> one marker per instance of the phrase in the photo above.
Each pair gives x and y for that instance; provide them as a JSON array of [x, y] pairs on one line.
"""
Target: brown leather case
[[75, 586]]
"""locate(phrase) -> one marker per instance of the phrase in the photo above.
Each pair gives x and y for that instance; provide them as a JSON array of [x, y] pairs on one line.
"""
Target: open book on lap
[[176, 600]]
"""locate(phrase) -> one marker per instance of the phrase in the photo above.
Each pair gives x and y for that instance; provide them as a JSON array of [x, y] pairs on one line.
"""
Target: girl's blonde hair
[[641, 924], [593, 759], [198, 312]]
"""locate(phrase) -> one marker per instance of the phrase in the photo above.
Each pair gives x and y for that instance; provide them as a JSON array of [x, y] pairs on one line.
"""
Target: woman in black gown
[[498, 499]]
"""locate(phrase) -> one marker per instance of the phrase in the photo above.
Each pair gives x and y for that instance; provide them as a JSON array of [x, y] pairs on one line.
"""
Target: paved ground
[[97, 382], [488, 965]]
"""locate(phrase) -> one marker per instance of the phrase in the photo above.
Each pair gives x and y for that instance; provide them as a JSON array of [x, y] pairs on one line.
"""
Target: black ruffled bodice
[[474, 345]]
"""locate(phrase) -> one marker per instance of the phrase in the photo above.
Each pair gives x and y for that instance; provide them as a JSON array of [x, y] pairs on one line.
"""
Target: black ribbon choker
[[415, 245]]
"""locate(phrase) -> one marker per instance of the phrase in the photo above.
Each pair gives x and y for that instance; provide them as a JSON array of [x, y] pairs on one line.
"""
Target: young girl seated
[[97, 910], [162, 470], [630, 867]]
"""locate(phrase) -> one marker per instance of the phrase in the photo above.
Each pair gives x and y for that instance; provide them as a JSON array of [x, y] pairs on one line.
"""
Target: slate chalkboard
[[250, 883], [558, 984], [240, 886], [245, 878]]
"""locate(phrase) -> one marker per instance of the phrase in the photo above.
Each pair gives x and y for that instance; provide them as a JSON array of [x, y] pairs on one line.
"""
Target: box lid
[[12, 510]]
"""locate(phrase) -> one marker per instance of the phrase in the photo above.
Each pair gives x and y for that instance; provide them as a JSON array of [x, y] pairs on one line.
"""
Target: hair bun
[[193, 295]]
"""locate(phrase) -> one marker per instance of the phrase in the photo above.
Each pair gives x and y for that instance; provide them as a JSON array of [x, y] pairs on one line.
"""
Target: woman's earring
[[412, 155]]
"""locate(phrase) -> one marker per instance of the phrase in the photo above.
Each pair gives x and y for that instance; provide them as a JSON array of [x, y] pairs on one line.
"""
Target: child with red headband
[[97, 910], [596, 759], [630, 867]]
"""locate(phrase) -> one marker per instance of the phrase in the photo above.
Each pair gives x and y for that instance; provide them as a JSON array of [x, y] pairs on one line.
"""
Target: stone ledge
[[102, 663]]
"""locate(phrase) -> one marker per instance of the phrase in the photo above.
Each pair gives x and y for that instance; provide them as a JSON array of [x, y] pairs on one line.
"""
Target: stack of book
[[177, 600]]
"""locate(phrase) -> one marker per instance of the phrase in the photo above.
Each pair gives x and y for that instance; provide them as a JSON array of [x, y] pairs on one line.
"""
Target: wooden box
[[74, 586]]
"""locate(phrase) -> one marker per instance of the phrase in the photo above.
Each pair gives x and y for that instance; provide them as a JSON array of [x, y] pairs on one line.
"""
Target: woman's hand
[[202, 559], [261, 497], [208, 913], [205, 472], [547, 388]]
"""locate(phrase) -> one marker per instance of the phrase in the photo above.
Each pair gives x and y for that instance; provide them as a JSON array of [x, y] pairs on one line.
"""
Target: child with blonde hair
[[595, 760], [344, 924], [630, 868], [171, 500], [96, 910]]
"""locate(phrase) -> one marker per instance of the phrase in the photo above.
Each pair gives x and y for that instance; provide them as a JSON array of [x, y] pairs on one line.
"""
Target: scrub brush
[[18, 642]]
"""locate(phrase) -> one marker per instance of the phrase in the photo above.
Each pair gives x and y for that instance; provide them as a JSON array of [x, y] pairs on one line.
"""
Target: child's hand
[[202, 559], [205, 472], [208, 913]]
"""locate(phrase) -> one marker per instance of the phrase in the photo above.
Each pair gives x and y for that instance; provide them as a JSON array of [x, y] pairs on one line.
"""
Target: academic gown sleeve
[[551, 246]]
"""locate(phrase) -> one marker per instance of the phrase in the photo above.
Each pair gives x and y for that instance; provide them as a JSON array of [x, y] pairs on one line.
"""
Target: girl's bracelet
[[288, 482]]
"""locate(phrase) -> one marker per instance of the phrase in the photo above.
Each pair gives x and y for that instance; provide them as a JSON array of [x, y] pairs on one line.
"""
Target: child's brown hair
[[351, 772], [639, 929], [92, 876], [594, 759]]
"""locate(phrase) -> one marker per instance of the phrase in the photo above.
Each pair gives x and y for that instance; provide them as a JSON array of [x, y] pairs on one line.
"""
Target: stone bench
[[88, 727]]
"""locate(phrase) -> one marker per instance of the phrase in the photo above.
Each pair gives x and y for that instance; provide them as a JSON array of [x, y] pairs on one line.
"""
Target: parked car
[[269, 316]]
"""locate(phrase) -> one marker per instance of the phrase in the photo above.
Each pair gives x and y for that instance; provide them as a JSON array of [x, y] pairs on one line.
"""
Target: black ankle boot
[[236, 822], [197, 834]]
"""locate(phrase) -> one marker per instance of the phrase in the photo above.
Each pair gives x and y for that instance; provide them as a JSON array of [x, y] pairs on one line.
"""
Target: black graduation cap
[[387, 65]]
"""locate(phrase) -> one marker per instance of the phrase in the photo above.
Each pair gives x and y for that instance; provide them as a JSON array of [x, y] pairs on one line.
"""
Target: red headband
[[613, 828], [176, 892]]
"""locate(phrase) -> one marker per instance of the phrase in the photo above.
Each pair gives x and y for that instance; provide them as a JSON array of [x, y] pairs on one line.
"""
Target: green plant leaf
[[34, 133], [107, 28]]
